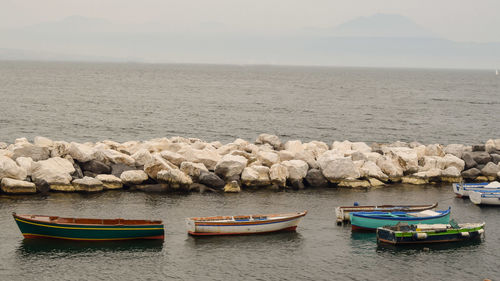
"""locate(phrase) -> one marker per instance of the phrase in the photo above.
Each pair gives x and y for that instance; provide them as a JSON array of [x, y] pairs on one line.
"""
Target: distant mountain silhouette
[[379, 40], [381, 25]]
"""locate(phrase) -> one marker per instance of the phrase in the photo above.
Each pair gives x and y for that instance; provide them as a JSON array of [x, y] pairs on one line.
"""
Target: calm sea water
[[91, 102], [319, 250]]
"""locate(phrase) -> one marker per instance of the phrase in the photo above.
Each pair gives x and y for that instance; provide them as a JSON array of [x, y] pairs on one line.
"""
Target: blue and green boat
[[39, 226], [370, 221], [404, 234]]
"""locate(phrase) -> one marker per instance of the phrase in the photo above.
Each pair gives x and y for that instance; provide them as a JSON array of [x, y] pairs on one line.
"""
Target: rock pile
[[187, 164]]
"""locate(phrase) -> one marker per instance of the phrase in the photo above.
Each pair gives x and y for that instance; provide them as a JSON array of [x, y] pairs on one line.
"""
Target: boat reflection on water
[[276, 238], [36, 246]]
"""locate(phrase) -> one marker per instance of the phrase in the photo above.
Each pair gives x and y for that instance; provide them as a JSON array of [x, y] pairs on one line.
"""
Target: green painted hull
[[37, 229]]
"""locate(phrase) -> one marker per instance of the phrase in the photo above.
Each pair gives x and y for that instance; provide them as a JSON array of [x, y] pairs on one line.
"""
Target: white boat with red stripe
[[246, 224]]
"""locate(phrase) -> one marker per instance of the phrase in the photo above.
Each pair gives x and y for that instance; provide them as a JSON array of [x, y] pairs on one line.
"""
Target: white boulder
[[256, 176], [133, 177], [230, 166], [297, 169], [13, 186]]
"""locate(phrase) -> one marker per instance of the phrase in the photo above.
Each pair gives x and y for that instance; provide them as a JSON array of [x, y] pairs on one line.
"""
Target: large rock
[[451, 174], [268, 158], [42, 141], [339, 169], [110, 181], [342, 146], [469, 160], [297, 169], [361, 147], [13, 186], [286, 155], [390, 167], [256, 176], [471, 173], [209, 156], [432, 162], [156, 164], [481, 157], [371, 170], [55, 171], [193, 169], [36, 153], [315, 178], [81, 152], [272, 140], [211, 180], [406, 157], [491, 169], [111, 156], [492, 146], [434, 150], [172, 157], [278, 174], [88, 184], [175, 178], [307, 157], [495, 158], [454, 161], [455, 149], [96, 166], [294, 146], [232, 187], [25, 163], [231, 166], [133, 177], [431, 174], [141, 157], [118, 169]]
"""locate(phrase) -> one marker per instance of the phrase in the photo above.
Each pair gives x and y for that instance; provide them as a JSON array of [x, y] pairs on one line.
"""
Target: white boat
[[248, 224], [464, 189], [485, 198]]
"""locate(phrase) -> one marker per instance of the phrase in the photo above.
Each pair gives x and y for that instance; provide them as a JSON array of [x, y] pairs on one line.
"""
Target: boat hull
[[385, 236], [204, 228], [36, 229], [343, 212], [465, 189], [371, 224], [481, 198]]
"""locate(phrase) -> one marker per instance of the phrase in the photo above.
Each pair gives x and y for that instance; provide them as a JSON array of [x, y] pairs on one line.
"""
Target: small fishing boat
[[249, 224], [369, 221], [38, 226], [485, 198], [343, 212], [463, 189], [404, 234]]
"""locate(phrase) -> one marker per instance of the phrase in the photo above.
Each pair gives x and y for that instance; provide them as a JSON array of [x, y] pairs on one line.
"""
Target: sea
[[76, 101]]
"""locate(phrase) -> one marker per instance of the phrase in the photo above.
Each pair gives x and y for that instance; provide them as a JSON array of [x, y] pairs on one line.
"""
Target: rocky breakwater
[[189, 164]]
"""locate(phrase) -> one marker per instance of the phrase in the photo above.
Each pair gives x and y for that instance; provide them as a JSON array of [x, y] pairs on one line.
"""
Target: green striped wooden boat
[[38, 226]]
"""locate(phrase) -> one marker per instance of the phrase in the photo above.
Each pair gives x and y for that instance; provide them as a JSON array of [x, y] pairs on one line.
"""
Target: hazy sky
[[477, 20]]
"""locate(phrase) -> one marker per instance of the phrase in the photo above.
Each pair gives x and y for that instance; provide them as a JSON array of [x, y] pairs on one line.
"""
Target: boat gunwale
[[431, 206], [373, 215], [229, 219], [54, 222]]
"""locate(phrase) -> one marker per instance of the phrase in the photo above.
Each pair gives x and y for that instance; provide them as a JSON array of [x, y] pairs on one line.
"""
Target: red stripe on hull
[[362, 229], [34, 236], [291, 228]]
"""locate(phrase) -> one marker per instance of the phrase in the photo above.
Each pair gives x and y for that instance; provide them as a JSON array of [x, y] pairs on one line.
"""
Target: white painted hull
[[464, 190], [484, 199], [251, 226]]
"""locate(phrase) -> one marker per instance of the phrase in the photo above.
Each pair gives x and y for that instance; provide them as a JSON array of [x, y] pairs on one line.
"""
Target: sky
[[463, 21]]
